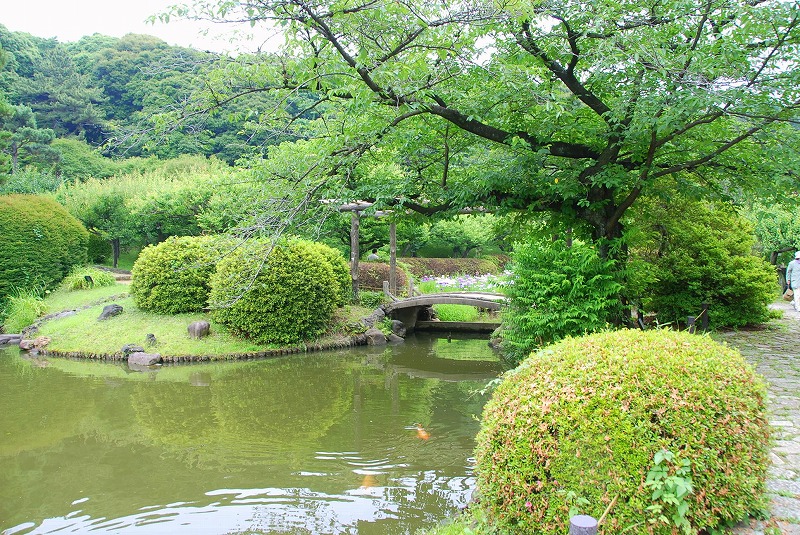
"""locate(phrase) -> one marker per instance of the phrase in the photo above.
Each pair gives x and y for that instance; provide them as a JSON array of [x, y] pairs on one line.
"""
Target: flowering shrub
[[487, 282], [581, 423]]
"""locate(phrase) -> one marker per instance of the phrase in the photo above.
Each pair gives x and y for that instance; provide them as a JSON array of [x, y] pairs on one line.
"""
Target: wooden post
[[704, 321], [690, 323], [354, 253], [582, 525], [393, 257]]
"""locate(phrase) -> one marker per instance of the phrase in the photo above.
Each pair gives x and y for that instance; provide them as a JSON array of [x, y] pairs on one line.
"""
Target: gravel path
[[775, 352]]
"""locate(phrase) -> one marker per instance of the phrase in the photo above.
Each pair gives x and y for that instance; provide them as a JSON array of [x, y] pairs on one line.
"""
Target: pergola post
[[354, 253], [393, 257]]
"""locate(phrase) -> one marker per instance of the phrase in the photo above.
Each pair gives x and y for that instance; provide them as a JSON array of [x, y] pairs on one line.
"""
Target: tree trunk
[[115, 248], [14, 157]]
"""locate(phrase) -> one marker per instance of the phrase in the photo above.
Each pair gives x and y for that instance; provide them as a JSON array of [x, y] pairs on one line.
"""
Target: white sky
[[69, 20]]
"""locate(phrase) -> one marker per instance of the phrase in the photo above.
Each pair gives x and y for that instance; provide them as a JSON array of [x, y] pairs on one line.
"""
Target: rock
[[30, 331], [398, 328], [41, 342], [109, 311], [26, 345], [127, 349], [376, 317], [394, 339], [6, 339], [144, 359], [150, 339], [375, 337], [199, 329]]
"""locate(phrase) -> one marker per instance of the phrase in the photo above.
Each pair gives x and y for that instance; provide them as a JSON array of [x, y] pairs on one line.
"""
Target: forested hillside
[[61, 101]]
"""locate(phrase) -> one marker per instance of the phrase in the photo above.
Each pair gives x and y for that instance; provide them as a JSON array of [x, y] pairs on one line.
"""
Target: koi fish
[[421, 433], [369, 481]]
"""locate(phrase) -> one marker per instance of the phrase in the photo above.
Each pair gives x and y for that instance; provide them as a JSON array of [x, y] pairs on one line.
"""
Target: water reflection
[[364, 441]]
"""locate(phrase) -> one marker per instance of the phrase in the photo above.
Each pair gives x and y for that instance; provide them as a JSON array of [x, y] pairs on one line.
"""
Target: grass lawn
[[82, 332]]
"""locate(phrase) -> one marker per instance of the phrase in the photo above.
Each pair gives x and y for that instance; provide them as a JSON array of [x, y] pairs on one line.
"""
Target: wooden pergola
[[355, 208]]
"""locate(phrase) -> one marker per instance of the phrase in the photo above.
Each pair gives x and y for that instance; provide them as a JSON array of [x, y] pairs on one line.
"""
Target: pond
[[320, 443]]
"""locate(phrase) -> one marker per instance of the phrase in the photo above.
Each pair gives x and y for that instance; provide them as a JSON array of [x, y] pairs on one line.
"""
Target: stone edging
[[353, 341]]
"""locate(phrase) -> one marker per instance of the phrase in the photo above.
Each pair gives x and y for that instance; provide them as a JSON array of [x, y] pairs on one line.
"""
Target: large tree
[[575, 108]]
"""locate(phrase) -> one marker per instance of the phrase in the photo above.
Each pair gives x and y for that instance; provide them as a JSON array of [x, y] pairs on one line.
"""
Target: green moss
[[585, 417]]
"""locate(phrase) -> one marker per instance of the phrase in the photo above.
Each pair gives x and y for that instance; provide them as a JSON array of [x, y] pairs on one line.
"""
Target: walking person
[[793, 279]]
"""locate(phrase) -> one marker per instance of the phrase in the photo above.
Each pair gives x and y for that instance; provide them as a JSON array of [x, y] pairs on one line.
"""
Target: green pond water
[[318, 443]]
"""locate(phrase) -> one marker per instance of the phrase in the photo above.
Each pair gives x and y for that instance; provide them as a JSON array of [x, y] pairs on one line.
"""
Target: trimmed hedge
[[447, 267], [174, 276], [283, 296], [41, 243], [372, 274], [583, 422]]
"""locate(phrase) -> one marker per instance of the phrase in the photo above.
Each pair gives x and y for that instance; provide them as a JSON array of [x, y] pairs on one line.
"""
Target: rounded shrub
[[607, 420], [174, 276], [341, 272], [689, 253], [41, 243], [282, 295]]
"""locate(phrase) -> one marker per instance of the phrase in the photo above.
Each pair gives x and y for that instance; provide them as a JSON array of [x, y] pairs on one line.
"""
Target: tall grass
[[448, 312], [76, 280], [22, 310]]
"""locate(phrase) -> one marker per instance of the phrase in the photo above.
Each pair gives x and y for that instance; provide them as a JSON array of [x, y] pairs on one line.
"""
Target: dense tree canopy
[[568, 107], [108, 92]]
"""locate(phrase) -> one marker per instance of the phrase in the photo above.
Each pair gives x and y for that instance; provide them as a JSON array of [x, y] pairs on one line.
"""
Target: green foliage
[[558, 291], [670, 479], [687, 253], [30, 181], [23, 142], [41, 243], [437, 267], [98, 249], [456, 312], [79, 161], [76, 280], [777, 228], [576, 111], [464, 235], [590, 416], [174, 276], [282, 295], [372, 299], [341, 272]]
